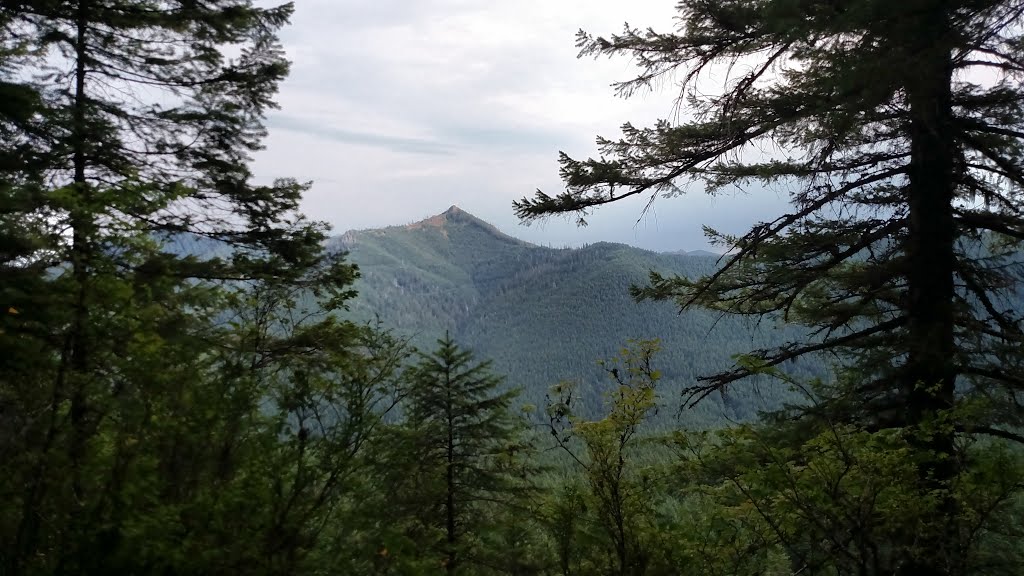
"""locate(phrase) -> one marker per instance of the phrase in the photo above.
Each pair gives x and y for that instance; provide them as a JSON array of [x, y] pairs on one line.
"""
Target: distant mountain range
[[706, 253], [545, 314]]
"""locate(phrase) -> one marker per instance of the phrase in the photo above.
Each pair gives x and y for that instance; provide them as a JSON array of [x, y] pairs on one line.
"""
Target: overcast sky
[[397, 109]]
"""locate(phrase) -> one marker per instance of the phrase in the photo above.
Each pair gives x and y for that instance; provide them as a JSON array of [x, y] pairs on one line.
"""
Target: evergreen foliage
[[160, 412], [898, 130], [466, 447], [185, 390]]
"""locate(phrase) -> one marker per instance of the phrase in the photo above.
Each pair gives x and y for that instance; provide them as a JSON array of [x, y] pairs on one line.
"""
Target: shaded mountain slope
[[546, 314]]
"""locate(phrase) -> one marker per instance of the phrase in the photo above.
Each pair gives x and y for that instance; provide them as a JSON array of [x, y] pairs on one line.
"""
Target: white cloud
[[399, 108]]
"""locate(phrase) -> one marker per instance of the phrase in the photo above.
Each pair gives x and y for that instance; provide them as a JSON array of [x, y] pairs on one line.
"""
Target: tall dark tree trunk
[[73, 357], [82, 224], [451, 562], [929, 376]]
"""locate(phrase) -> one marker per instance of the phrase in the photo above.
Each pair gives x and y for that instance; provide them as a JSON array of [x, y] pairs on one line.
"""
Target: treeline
[[368, 458]]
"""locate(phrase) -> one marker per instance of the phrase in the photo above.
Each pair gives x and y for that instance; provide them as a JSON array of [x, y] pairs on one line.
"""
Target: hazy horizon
[[396, 111]]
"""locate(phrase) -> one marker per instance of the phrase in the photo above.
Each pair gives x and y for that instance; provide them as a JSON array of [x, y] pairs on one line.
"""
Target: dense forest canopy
[[544, 314], [195, 379]]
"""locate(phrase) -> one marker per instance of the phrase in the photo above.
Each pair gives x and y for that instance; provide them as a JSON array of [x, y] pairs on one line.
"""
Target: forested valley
[[198, 378]]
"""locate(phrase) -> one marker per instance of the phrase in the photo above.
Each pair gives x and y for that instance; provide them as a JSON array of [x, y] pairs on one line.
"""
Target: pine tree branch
[[992, 222], [978, 126], [1008, 326], [989, 431], [752, 241], [1016, 382], [768, 359]]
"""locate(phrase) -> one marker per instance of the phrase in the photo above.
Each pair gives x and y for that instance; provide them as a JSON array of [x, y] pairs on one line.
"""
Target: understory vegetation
[[196, 378]]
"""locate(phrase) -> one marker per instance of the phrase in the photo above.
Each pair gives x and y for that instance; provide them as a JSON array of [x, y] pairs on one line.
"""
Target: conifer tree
[[167, 334], [897, 129], [467, 445]]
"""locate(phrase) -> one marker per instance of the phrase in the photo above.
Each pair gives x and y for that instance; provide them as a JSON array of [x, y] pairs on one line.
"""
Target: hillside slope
[[546, 314]]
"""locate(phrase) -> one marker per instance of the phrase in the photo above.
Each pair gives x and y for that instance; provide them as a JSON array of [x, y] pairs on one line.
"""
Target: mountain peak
[[451, 220], [452, 214]]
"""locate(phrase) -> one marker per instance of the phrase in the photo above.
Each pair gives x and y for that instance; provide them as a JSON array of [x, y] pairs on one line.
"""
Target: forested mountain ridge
[[545, 314]]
